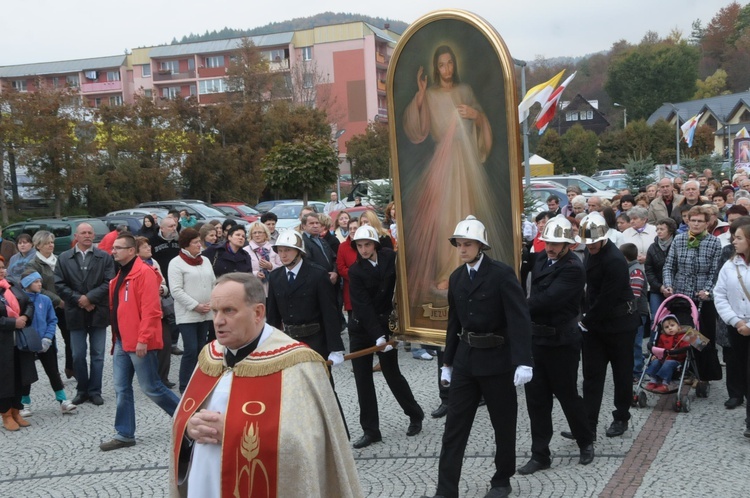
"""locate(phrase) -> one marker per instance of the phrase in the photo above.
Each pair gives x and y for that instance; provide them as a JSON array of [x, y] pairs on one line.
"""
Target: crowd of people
[[593, 276]]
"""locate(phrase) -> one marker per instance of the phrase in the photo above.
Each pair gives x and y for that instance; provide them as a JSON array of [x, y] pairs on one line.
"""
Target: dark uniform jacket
[[314, 254], [72, 282], [225, 261], [608, 292], [8, 354], [371, 293], [492, 303], [555, 301], [309, 300]]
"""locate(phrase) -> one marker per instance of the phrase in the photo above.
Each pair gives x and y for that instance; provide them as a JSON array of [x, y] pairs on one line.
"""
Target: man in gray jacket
[[662, 206], [82, 276]]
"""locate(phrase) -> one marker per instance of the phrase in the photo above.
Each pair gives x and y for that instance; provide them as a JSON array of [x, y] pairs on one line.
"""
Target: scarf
[[695, 240], [664, 244], [262, 253], [51, 261], [12, 308], [190, 259]]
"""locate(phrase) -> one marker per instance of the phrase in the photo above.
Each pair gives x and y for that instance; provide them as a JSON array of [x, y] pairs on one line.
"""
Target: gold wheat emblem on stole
[[250, 448]]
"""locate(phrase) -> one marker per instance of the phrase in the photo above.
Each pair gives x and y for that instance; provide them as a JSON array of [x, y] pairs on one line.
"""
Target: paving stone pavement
[[702, 453]]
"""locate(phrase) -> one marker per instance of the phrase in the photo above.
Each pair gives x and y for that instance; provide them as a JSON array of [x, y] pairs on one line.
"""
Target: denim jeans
[[194, 336], [125, 365], [654, 301], [89, 383], [660, 371], [638, 347]]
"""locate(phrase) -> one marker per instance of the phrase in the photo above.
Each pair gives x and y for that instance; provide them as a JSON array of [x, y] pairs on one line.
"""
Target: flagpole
[[676, 131], [527, 168]]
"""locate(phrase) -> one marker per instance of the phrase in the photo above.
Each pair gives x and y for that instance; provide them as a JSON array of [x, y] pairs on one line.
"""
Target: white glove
[[46, 343], [381, 340], [582, 327], [445, 375], [523, 375], [336, 357]]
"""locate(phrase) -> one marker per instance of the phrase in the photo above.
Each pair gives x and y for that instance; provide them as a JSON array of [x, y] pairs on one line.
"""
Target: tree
[[368, 153], [248, 75], [639, 172], [579, 150], [550, 148], [712, 86], [663, 147], [304, 166], [631, 80]]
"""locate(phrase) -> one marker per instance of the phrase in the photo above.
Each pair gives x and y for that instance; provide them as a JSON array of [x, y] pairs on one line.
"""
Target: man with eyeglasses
[[82, 276], [135, 309]]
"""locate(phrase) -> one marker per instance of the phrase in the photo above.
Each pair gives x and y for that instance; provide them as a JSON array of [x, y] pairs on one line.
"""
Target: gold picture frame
[[455, 151]]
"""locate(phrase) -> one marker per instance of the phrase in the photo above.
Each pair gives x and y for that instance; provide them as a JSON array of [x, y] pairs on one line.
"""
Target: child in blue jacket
[[45, 323]]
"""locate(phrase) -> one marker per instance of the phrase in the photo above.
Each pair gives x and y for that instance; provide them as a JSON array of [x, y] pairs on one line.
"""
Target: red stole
[[249, 453]]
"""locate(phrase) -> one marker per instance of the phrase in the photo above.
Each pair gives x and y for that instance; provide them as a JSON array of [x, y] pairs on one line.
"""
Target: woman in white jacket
[[191, 278], [732, 298]]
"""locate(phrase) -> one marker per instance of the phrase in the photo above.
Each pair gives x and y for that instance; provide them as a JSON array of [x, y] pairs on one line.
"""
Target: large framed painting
[[455, 151]]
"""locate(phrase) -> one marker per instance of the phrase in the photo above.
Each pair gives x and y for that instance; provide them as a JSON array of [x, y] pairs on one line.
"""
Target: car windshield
[[596, 184], [287, 210], [207, 211], [247, 210]]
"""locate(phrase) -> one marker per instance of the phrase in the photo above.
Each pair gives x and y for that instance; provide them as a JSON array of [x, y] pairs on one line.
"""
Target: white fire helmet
[[365, 232], [472, 229], [290, 238], [593, 229], [558, 229]]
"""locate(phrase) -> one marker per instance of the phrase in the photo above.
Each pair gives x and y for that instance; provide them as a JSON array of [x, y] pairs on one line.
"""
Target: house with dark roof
[[725, 114], [579, 111]]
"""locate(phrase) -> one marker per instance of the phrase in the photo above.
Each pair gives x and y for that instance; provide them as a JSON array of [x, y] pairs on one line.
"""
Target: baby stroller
[[687, 313]]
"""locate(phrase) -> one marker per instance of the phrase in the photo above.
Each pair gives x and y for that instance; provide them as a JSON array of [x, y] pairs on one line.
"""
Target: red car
[[239, 209]]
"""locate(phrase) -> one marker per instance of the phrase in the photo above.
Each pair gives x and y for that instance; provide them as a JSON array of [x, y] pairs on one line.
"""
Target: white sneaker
[[424, 356], [26, 412], [67, 407]]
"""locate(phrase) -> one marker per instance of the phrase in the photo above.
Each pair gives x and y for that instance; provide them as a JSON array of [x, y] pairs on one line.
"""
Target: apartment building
[[341, 67]]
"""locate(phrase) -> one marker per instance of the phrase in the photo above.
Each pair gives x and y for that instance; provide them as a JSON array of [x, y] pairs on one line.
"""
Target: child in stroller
[[666, 360]]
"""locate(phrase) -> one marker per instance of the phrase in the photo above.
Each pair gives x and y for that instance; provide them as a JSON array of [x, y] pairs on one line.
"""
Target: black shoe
[[176, 351], [567, 435], [169, 385], [415, 427], [532, 466], [499, 492], [98, 401], [747, 432], [733, 403], [587, 455], [115, 444], [617, 428], [80, 399], [366, 440], [440, 411]]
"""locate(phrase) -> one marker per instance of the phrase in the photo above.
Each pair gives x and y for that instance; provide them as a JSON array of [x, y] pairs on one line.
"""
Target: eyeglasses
[[257, 233], [120, 248], [697, 221]]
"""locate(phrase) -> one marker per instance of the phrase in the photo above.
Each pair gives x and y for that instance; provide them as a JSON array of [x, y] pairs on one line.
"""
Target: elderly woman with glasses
[[265, 259]]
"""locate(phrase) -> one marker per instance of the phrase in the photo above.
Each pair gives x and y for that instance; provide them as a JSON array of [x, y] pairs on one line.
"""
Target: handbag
[[167, 306], [27, 339]]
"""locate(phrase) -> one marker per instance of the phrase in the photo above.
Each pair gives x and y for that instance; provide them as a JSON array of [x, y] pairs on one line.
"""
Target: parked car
[[157, 212], [266, 206], [62, 228], [238, 209], [288, 213], [617, 182], [134, 223], [202, 211], [542, 193], [361, 190], [588, 185], [608, 172]]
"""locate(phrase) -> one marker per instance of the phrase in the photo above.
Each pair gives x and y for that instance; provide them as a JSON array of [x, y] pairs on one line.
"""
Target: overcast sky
[[51, 30]]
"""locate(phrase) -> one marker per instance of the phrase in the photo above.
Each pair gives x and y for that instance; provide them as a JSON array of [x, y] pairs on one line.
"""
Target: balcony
[[212, 72], [106, 86], [167, 75], [278, 65], [381, 60], [381, 85]]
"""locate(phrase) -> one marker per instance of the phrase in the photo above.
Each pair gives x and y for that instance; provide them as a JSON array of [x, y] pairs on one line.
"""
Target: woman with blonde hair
[[265, 259], [370, 218], [342, 226]]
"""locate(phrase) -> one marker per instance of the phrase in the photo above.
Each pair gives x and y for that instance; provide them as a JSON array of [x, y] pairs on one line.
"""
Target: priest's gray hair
[[254, 293]]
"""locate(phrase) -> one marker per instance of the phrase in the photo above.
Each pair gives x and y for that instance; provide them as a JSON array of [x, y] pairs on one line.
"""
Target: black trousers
[[49, 363], [741, 349], [368, 400], [15, 400], [502, 405], [735, 373], [65, 332], [707, 359], [555, 375], [600, 349]]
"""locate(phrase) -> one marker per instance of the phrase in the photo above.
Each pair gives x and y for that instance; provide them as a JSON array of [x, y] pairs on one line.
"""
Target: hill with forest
[[323, 19]]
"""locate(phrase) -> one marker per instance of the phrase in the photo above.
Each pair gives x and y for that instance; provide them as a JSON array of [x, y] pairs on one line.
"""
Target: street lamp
[[676, 130], [624, 114], [338, 177], [525, 131]]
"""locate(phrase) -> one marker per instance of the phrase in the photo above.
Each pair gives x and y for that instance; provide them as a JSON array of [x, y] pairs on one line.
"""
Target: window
[[113, 75], [306, 53], [19, 85], [115, 100], [212, 86], [571, 116], [193, 90], [146, 70], [216, 61], [148, 93], [307, 80], [97, 102], [55, 82], [589, 114], [171, 67], [72, 80], [275, 55], [191, 64], [171, 92]]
